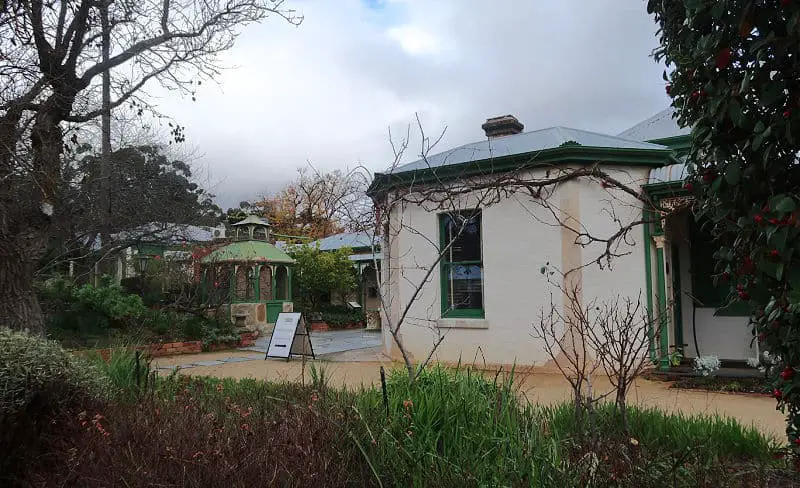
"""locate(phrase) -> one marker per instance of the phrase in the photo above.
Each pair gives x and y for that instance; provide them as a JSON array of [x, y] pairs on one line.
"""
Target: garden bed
[[186, 431], [752, 386]]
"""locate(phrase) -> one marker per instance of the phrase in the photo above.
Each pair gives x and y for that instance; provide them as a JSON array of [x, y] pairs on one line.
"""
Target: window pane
[[465, 287], [467, 245]]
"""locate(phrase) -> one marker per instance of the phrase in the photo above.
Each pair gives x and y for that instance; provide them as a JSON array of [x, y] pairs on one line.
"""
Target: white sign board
[[289, 337]]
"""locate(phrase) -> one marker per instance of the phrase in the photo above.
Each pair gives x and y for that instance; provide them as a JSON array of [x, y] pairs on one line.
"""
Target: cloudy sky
[[327, 91]]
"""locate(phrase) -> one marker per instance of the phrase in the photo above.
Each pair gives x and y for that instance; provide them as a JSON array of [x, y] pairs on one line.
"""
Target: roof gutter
[[383, 182]]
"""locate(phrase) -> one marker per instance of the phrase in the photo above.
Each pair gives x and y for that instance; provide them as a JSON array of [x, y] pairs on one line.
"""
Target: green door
[[274, 307]]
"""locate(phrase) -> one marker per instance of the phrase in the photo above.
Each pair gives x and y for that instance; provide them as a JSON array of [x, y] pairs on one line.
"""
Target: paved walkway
[[352, 344]]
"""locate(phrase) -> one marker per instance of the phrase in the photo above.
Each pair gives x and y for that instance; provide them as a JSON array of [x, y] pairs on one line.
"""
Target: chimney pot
[[504, 125]]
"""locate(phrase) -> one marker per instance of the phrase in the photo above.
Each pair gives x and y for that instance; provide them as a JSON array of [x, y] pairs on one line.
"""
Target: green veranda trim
[[648, 273], [663, 312], [547, 157]]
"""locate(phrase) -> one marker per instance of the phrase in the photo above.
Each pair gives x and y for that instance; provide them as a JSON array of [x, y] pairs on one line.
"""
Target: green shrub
[[35, 369], [89, 308], [147, 288], [159, 322], [340, 315], [42, 389]]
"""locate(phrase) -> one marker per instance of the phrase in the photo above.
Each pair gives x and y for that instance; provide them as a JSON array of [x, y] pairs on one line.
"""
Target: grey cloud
[[327, 91]]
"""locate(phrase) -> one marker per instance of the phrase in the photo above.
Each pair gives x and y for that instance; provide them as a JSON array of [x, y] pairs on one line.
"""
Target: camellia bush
[[734, 77]]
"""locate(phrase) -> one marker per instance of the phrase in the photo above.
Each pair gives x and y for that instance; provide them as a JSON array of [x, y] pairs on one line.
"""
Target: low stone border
[[246, 339]]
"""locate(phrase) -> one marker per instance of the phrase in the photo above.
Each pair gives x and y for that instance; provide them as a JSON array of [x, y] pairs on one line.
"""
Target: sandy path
[[543, 386]]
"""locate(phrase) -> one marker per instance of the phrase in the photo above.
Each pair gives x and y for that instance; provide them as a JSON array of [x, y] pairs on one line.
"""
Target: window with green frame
[[461, 267]]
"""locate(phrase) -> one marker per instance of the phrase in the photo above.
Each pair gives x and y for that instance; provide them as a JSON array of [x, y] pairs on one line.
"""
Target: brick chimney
[[504, 125]]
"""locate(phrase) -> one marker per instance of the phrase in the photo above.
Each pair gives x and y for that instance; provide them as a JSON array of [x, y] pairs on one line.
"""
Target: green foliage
[[319, 273], [37, 370], [127, 371], [460, 428], [88, 307], [170, 325], [340, 315], [734, 79], [146, 186], [146, 287], [40, 385]]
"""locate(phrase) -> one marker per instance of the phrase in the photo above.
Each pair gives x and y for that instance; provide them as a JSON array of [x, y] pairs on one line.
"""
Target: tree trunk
[[19, 306]]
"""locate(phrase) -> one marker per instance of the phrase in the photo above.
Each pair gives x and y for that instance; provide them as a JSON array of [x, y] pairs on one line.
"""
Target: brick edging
[[246, 339]]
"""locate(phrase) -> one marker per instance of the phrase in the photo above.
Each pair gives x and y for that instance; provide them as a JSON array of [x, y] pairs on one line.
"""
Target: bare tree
[[620, 338], [563, 333], [51, 60]]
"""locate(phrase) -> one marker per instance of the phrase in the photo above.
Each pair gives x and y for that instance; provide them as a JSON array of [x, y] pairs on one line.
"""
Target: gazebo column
[[274, 274], [289, 274]]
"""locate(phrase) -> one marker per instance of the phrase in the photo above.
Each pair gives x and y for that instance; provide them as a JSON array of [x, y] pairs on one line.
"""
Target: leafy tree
[[146, 186], [320, 273], [52, 57], [734, 77]]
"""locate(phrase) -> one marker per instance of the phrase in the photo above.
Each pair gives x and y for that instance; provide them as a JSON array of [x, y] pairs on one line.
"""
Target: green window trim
[[444, 271]]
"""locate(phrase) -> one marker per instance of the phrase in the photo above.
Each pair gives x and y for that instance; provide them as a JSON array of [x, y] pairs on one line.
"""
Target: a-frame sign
[[290, 337]]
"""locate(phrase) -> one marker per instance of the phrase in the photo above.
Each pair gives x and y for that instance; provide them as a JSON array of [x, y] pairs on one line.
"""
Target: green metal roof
[[252, 251], [253, 220]]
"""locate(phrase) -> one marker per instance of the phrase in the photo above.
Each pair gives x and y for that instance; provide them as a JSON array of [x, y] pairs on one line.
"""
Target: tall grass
[[127, 370], [721, 437], [455, 427]]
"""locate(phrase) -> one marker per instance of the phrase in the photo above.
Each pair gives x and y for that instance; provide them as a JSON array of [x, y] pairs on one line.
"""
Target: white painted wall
[[519, 237]]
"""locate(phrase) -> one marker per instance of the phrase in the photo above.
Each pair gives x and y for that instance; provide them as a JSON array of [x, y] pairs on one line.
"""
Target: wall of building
[[519, 237]]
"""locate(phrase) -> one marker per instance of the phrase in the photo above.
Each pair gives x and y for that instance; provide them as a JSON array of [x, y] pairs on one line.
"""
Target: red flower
[[743, 295], [157, 258], [777, 393], [723, 58], [695, 95], [759, 219], [787, 114], [796, 442], [668, 89], [216, 284], [774, 253], [774, 221], [765, 208], [762, 336], [787, 373], [709, 176], [688, 186]]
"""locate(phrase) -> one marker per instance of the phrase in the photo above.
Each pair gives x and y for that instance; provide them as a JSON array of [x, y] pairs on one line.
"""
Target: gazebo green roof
[[248, 251]]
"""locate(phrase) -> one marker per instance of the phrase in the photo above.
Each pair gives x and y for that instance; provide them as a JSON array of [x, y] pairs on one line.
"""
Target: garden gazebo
[[249, 277]]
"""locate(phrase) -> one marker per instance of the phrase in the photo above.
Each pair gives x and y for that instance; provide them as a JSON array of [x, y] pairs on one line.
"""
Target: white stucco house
[[487, 291]]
